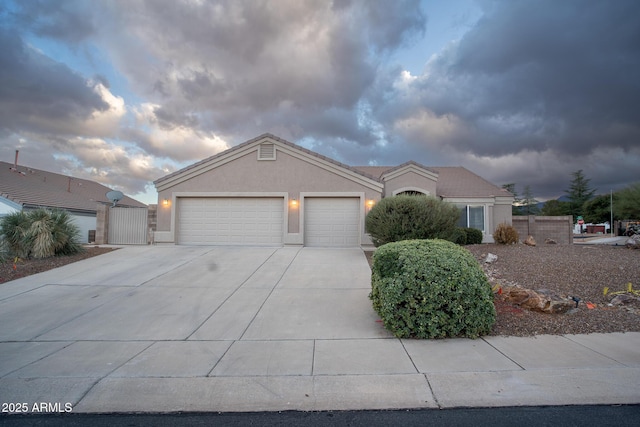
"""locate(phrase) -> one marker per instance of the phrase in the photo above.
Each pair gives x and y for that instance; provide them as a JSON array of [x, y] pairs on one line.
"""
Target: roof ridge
[[275, 138]]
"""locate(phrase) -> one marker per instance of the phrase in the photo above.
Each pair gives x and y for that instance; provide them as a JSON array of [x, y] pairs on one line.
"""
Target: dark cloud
[[542, 75], [238, 59], [40, 94], [530, 93]]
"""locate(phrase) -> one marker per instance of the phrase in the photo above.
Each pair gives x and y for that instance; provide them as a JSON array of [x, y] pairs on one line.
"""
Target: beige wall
[[246, 174], [558, 228], [412, 181]]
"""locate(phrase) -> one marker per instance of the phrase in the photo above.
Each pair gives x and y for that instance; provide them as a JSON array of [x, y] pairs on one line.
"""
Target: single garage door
[[230, 221], [332, 221]]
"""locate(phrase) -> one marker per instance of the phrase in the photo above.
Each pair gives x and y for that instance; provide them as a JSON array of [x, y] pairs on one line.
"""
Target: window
[[472, 216]]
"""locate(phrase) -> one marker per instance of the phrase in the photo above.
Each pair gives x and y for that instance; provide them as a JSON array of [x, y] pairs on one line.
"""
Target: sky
[[518, 91]]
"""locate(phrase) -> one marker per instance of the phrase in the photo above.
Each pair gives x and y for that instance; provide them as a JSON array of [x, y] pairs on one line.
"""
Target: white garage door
[[230, 221], [332, 221]]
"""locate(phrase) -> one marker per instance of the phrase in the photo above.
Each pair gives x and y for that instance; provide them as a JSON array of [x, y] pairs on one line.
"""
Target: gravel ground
[[23, 268], [577, 270]]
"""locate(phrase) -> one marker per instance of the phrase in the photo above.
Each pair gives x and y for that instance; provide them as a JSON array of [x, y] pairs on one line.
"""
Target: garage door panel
[[332, 222], [230, 220]]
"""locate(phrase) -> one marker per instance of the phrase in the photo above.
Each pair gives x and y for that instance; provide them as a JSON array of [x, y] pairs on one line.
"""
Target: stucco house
[[24, 188], [269, 191]]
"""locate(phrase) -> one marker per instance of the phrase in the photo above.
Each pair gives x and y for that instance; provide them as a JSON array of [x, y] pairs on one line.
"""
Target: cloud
[[41, 95], [174, 136], [239, 60], [540, 75], [112, 164]]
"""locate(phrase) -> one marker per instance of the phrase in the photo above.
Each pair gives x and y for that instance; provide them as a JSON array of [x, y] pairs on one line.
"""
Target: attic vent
[[267, 152]]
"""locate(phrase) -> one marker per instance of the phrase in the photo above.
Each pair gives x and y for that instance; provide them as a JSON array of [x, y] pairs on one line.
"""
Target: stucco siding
[[246, 174], [410, 181]]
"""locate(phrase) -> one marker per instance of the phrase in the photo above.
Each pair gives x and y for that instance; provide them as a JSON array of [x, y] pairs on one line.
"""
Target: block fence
[[558, 228]]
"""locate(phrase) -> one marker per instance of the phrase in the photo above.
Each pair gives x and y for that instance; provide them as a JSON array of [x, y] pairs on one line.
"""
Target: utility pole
[[611, 223]]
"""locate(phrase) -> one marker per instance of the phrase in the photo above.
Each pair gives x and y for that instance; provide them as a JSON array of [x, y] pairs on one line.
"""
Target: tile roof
[[453, 181], [33, 187]]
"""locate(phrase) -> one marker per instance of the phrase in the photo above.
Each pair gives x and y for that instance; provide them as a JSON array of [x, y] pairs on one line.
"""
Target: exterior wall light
[[294, 203], [165, 202], [370, 203]]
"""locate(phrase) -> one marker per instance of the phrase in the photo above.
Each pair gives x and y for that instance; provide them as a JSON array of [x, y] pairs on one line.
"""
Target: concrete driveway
[[175, 328]]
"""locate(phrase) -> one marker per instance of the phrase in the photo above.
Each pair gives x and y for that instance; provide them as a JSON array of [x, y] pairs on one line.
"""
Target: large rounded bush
[[411, 217], [431, 289]]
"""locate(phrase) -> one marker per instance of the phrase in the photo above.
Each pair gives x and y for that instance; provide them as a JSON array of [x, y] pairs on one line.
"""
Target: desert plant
[[13, 228], [474, 236], [506, 234], [40, 233], [431, 289], [411, 217]]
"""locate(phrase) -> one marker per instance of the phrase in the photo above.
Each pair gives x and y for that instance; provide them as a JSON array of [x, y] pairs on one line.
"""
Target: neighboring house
[[23, 188], [268, 191]]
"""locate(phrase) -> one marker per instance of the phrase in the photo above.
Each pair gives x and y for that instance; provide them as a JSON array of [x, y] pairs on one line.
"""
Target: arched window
[[411, 191]]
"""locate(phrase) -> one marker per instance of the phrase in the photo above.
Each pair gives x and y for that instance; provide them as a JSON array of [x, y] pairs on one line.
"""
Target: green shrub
[[410, 217], [431, 289], [459, 236], [40, 233], [474, 236], [506, 234]]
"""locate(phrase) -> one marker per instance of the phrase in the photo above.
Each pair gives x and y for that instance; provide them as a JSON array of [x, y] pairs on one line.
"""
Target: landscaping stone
[[541, 300]]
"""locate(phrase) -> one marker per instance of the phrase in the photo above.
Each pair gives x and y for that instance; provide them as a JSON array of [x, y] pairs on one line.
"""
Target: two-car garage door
[[230, 220], [328, 221]]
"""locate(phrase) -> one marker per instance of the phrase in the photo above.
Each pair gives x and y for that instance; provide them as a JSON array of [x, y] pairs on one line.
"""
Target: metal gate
[[128, 226]]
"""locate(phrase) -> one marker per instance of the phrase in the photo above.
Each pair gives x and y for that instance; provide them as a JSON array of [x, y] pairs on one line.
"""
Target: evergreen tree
[[598, 209], [579, 192], [556, 208], [627, 202]]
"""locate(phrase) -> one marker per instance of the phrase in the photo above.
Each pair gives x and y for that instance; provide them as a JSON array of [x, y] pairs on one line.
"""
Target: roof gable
[[33, 187], [280, 144], [407, 167]]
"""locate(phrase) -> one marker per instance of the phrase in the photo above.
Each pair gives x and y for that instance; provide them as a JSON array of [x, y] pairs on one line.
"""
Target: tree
[[555, 208], [579, 192], [627, 202], [529, 205], [515, 206], [598, 209]]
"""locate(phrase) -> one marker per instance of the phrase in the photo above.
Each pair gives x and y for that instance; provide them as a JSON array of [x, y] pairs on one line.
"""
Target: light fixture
[[294, 202], [165, 202], [370, 203]]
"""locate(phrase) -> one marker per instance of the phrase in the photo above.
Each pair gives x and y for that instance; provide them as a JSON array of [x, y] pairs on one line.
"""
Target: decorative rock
[[491, 258], [549, 241], [542, 300], [530, 241], [624, 299], [633, 242]]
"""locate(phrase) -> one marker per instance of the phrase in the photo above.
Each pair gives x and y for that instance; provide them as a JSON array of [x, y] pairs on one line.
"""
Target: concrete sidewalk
[[173, 328]]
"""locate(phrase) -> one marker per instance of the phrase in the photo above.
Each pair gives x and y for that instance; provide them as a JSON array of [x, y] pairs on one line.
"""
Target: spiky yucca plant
[[13, 229], [40, 233]]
